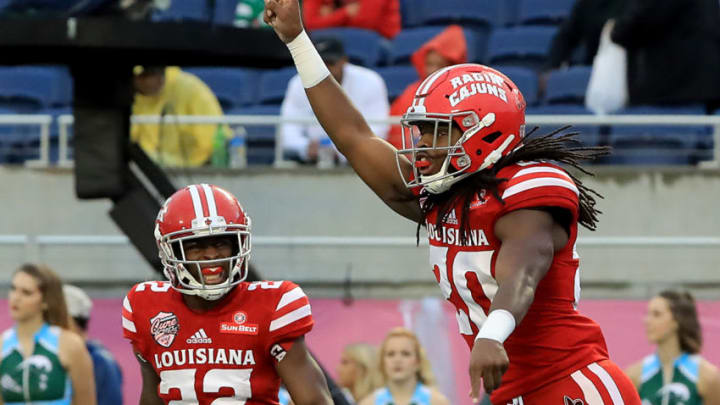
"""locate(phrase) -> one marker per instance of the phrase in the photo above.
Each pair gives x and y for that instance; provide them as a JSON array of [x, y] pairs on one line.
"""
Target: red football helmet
[[197, 211], [486, 105]]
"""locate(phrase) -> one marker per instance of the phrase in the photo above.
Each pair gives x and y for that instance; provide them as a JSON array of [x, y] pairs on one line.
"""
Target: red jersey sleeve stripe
[[541, 169], [127, 316], [608, 382], [290, 296], [539, 182], [290, 317], [129, 325], [126, 305]]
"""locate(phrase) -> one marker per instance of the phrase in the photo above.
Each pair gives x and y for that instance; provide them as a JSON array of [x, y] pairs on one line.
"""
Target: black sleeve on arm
[[643, 21]]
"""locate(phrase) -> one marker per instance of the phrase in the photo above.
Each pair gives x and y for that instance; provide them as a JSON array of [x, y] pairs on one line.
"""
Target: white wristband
[[498, 326], [309, 64]]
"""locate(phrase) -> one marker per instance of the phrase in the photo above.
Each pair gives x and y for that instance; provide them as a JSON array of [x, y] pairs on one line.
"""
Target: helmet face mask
[[482, 103], [196, 214]]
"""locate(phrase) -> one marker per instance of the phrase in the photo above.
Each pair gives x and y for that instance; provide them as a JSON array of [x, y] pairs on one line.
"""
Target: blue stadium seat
[[477, 42], [224, 13], [526, 80], [408, 41], [508, 12], [260, 138], [549, 12], [273, 84], [363, 47], [568, 86], [657, 144], [526, 46], [233, 87], [183, 11], [410, 13], [590, 135], [474, 12], [397, 78], [29, 88]]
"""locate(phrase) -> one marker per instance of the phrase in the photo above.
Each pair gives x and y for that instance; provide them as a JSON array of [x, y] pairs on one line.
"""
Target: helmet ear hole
[[490, 138]]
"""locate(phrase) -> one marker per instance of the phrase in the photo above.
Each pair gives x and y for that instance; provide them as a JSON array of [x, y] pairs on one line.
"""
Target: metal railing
[[363, 241], [43, 121], [65, 121]]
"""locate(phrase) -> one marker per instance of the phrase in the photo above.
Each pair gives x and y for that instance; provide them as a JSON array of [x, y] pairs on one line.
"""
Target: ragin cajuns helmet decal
[[483, 103]]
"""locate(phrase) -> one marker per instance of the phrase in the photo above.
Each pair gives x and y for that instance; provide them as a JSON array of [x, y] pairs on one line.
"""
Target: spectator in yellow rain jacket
[[170, 91]]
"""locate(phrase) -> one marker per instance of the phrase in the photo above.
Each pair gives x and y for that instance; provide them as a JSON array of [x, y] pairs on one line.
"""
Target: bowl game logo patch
[[164, 327]]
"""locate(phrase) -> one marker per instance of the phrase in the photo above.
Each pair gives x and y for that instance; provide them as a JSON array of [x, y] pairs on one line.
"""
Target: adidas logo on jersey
[[451, 218], [199, 337]]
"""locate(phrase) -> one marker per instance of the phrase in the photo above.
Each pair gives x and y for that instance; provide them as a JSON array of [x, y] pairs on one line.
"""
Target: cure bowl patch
[[164, 327]]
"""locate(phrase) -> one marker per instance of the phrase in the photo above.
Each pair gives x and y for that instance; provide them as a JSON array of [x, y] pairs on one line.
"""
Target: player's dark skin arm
[[150, 383], [529, 239], [302, 376], [372, 158]]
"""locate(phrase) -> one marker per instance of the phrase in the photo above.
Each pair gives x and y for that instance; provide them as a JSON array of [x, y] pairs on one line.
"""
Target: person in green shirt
[[41, 361], [675, 374], [248, 14]]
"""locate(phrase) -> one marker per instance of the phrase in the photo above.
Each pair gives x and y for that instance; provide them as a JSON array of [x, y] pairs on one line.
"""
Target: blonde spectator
[[358, 370], [42, 361], [406, 373]]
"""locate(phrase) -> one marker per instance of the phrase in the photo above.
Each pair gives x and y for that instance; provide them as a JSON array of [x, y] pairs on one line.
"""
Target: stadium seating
[[408, 41], [470, 12], [363, 47], [26, 89], [260, 138], [508, 13], [397, 78], [224, 13], [273, 84], [525, 46], [589, 135], [568, 86], [525, 79], [549, 12], [233, 87], [657, 144], [183, 11]]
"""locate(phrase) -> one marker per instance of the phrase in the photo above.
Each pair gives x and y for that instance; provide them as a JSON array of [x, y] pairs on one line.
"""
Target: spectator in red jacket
[[445, 49], [382, 16]]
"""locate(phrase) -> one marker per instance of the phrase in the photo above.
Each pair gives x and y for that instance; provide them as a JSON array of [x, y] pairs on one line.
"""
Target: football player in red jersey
[[501, 219], [206, 335]]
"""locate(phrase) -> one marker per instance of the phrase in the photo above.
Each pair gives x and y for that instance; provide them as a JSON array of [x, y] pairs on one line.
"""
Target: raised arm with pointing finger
[[371, 157], [501, 215]]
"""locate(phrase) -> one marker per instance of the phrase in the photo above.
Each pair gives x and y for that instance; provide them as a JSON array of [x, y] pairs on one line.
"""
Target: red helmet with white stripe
[[483, 103], [202, 211]]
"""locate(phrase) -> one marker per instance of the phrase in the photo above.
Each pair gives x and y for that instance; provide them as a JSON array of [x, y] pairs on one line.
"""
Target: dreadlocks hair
[[556, 146]]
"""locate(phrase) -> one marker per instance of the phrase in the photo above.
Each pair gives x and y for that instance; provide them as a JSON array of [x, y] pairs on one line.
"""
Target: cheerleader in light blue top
[[675, 374], [406, 373], [41, 362]]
